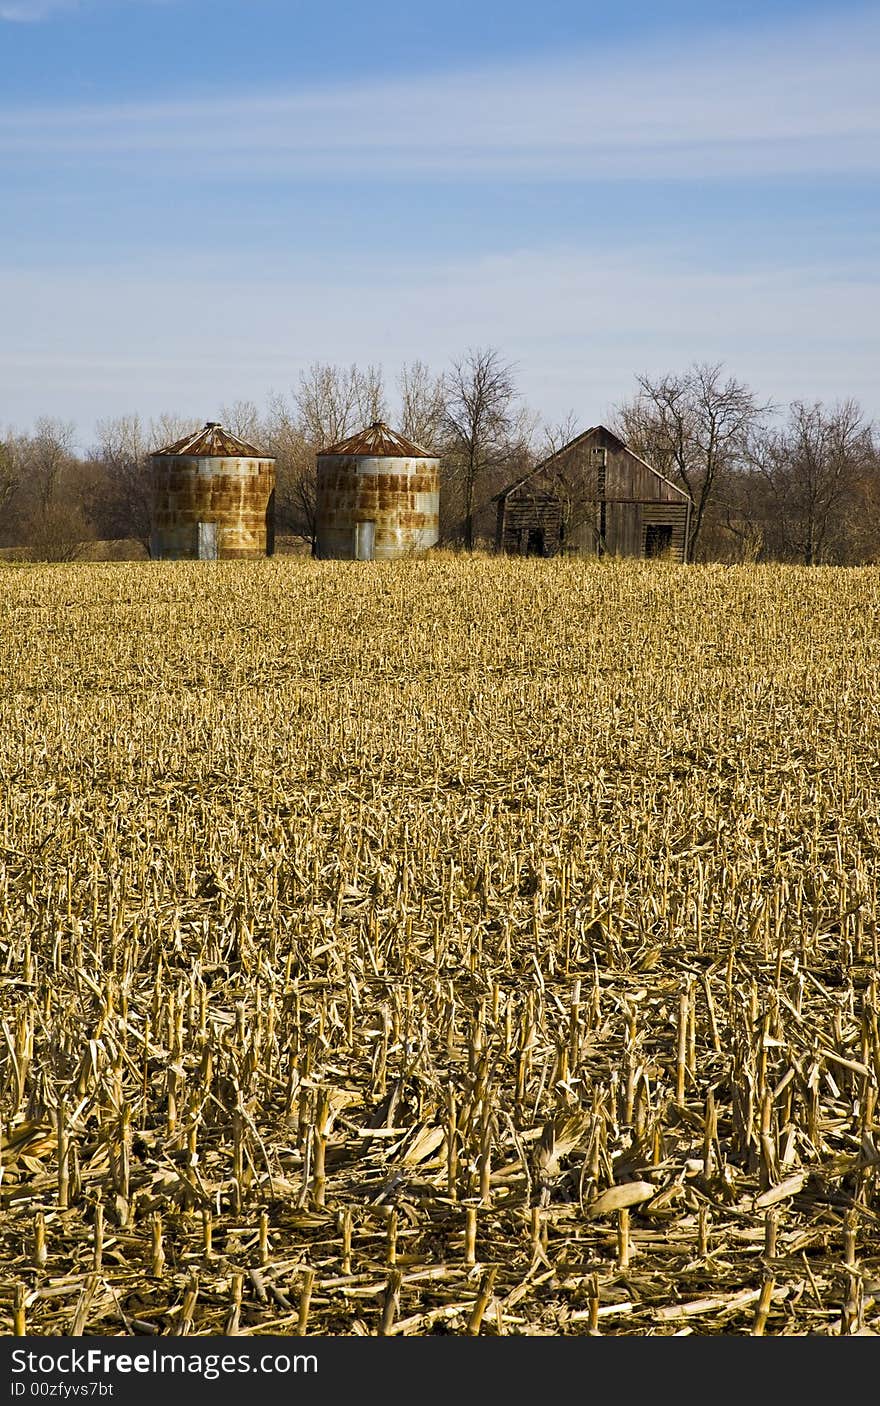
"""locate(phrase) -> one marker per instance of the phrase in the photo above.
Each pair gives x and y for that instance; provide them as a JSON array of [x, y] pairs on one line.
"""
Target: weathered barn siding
[[533, 524], [594, 497]]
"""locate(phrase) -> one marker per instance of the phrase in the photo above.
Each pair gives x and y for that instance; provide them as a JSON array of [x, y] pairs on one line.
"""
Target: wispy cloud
[[32, 11], [96, 342], [799, 100], [580, 307]]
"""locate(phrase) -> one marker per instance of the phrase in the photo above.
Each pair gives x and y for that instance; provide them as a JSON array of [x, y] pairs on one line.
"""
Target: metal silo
[[213, 496], [378, 497]]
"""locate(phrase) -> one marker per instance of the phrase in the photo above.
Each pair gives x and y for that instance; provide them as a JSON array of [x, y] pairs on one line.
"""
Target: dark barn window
[[658, 539]]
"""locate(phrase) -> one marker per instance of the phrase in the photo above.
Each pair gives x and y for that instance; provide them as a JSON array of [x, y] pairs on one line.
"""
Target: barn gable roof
[[578, 439]]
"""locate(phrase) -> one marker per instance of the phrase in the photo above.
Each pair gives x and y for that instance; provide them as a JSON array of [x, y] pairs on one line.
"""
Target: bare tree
[[122, 500], [117, 492], [295, 474], [62, 533], [168, 428], [45, 486], [861, 528], [328, 404], [817, 469], [242, 418], [331, 401], [556, 436], [10, 477], [571, 489], [693, 428], [422, 404], [51, 519], [742, 515], [480, 423], [49, 453], [370, 395]]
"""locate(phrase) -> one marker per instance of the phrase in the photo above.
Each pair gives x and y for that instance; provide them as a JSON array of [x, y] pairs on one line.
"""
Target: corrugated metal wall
[[399, 496], [232, 495]]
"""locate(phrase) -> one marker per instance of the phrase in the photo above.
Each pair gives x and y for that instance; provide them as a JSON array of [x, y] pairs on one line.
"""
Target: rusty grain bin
[[213, 496], [378, 497]]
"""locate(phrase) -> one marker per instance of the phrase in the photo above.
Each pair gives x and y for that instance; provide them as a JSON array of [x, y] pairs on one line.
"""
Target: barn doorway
[[535, 542], [658, 539]]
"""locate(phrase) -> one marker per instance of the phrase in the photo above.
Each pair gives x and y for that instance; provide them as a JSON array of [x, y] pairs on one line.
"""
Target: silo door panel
[[364, 540], [207, 541]]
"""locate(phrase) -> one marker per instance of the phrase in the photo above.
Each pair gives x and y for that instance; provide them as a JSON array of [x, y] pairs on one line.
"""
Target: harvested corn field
[[459, 947]]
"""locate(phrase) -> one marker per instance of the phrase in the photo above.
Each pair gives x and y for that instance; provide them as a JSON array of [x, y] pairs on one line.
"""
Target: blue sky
[[200, 199]]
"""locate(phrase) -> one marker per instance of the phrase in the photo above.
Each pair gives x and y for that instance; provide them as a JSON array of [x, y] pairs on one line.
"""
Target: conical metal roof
[[380, 442], [212, 442]]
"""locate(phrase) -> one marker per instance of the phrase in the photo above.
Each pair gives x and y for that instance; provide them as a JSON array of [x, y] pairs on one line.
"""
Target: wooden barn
[[593, 497]]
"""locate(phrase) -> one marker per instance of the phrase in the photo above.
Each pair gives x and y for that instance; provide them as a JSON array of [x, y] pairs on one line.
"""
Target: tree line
[[798, 484]]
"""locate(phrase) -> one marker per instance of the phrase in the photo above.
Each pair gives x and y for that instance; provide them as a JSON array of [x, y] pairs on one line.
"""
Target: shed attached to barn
[[593, 497]]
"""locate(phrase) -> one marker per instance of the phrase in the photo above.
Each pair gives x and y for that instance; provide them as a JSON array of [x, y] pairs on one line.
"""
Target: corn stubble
[[465, 946]]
